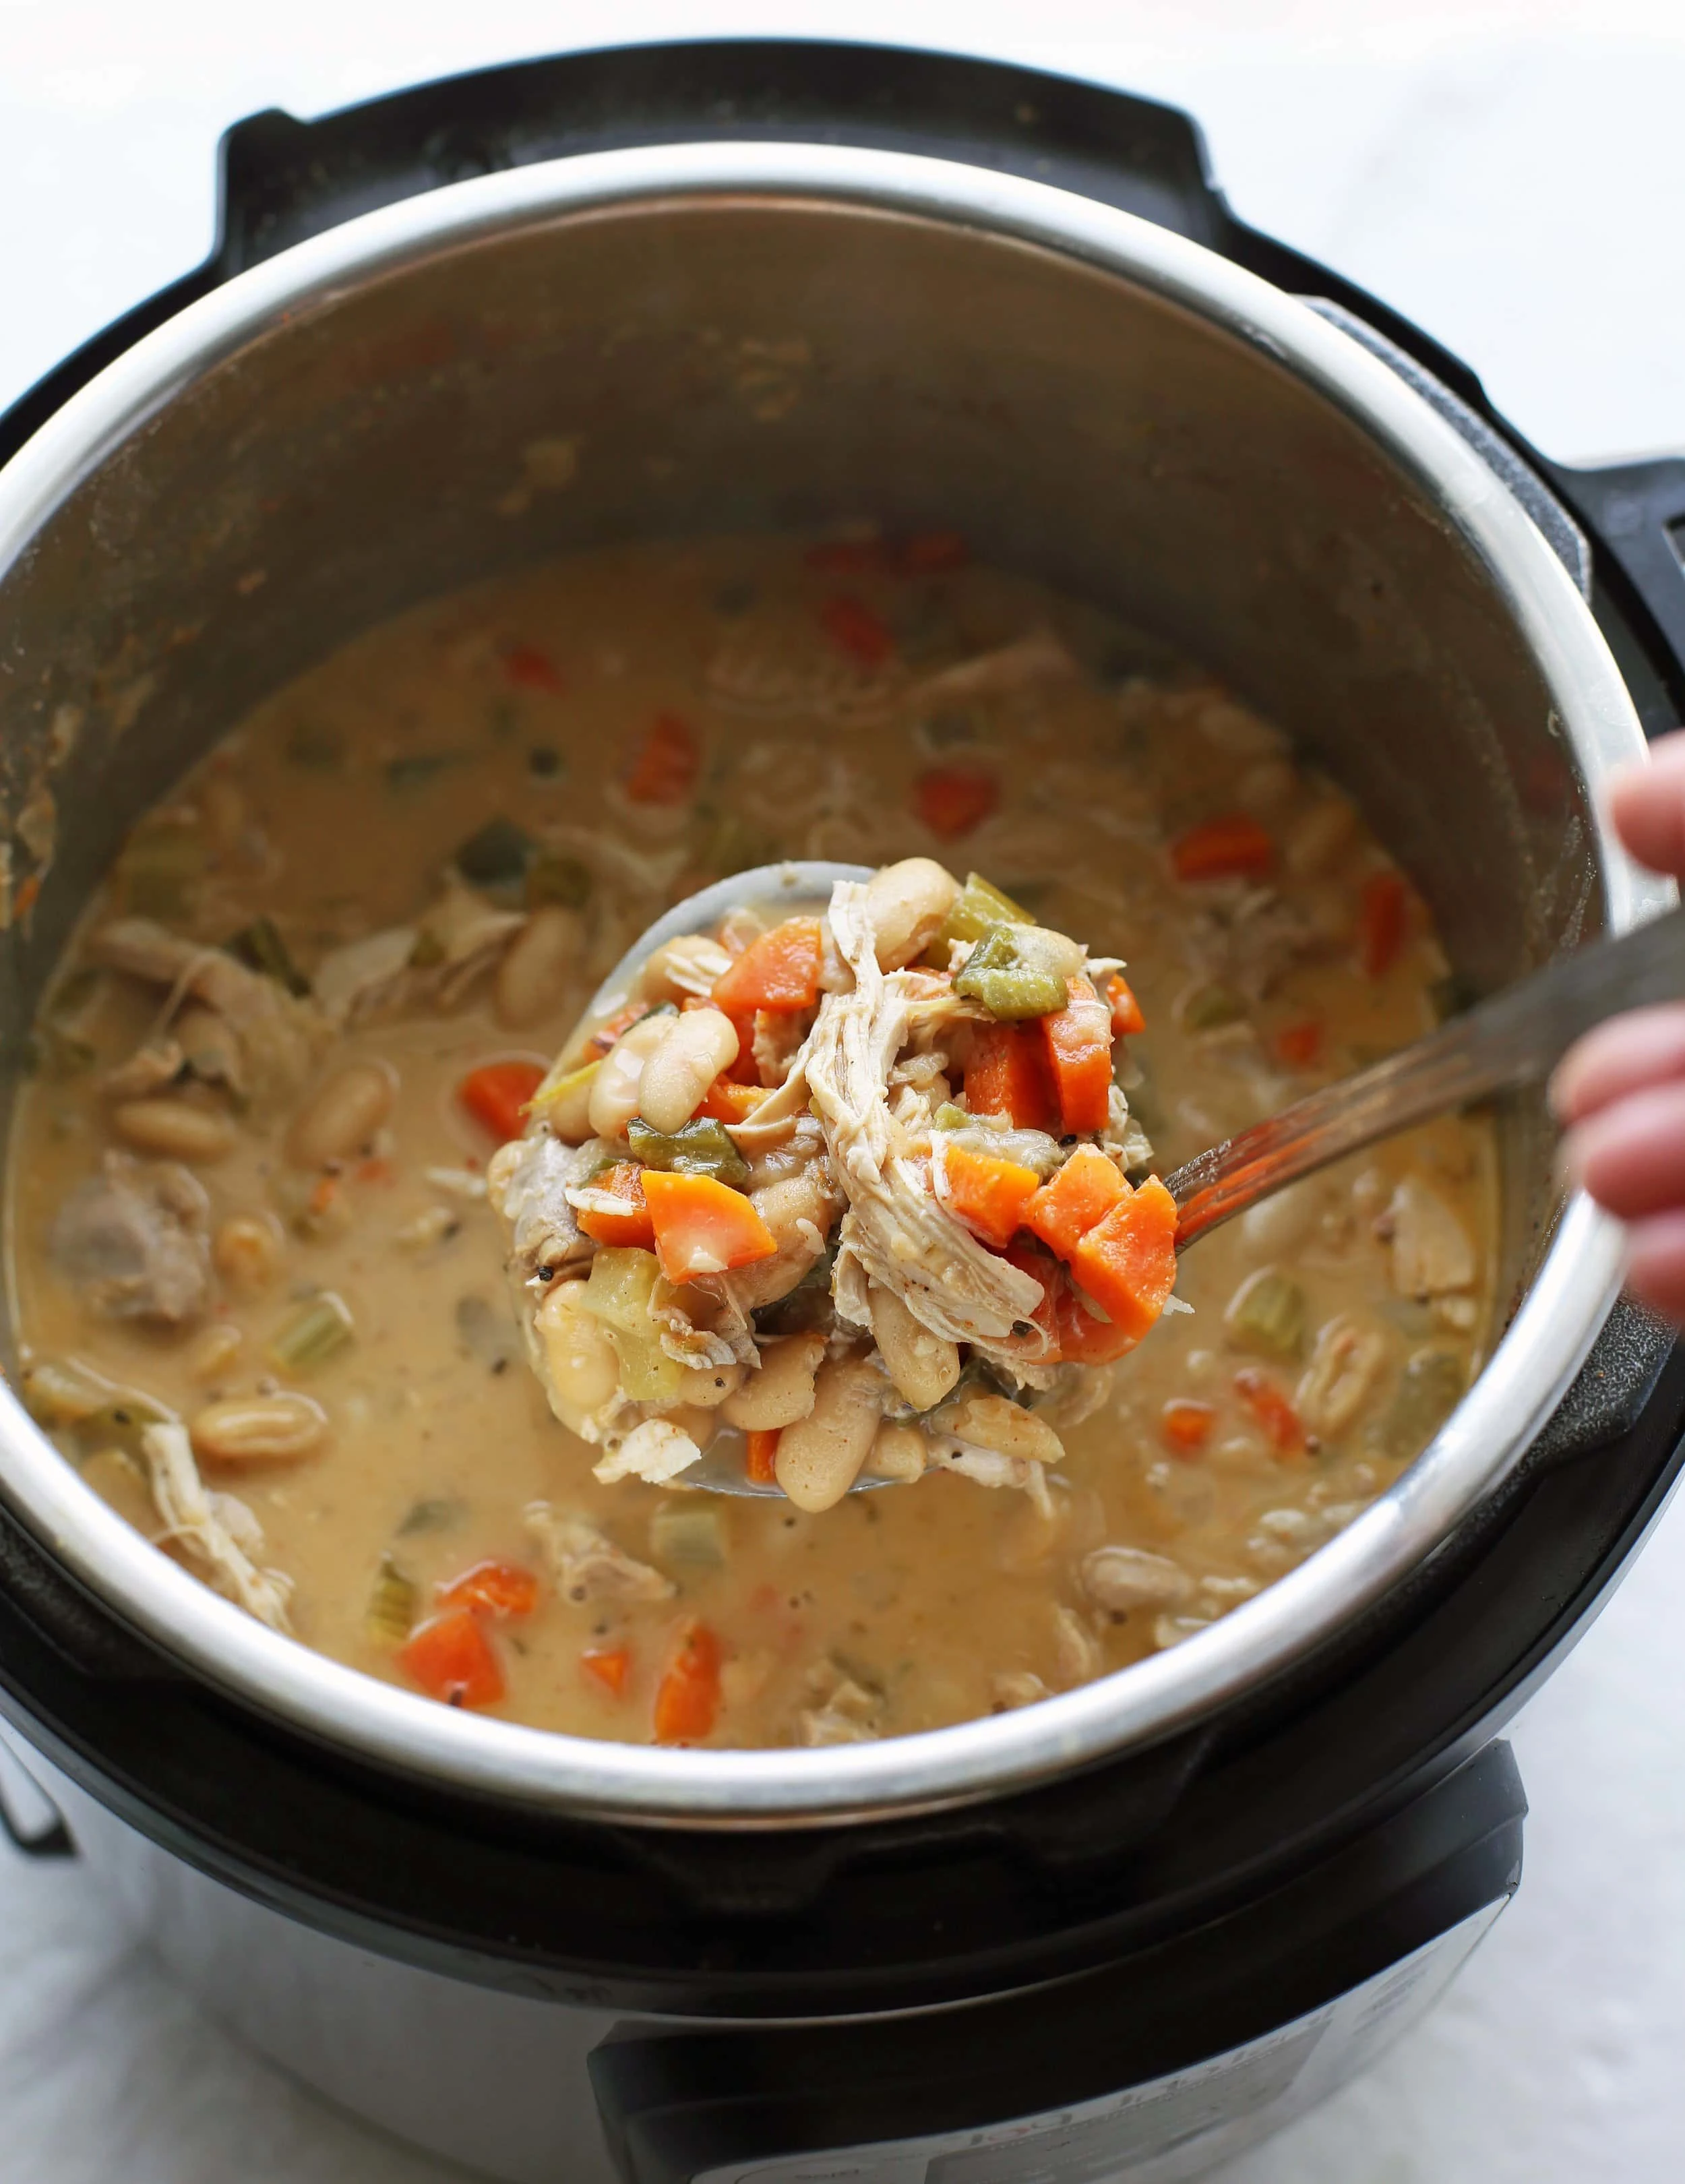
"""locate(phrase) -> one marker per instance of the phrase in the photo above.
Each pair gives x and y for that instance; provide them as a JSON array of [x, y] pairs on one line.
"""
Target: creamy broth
[[781, 702]]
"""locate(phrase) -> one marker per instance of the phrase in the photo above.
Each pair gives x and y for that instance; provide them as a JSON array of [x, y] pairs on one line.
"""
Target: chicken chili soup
[[269, 1306]]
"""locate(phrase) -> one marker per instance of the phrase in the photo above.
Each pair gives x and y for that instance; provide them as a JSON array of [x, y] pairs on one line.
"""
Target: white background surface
[[1509, 175]]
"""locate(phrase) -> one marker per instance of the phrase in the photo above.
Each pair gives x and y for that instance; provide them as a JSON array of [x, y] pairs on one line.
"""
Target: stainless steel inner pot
[[733, 336]]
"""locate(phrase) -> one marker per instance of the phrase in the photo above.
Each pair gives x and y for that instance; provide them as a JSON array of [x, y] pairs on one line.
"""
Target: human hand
[[1621, 1090]]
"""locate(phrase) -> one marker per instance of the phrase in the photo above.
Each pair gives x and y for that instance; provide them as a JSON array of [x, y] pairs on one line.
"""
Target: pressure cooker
[[1124, 1932]]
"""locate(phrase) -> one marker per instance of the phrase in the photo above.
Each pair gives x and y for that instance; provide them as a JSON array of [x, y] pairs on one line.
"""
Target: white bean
[[705, 1387], [532, 978], [923, 1366], [897, 1452], [341, 1115], [247, 1249], [214, 1349], [997, 1422], [173, 1129], [1324, 833], [614, 1088], [578, 1355], [1118, 1578], [275, 1429], [905, 903], [701, 1044], [819, 1456], [782, 1390]]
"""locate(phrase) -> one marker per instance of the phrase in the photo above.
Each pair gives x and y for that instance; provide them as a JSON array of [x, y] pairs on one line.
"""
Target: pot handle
[[1639, 509]]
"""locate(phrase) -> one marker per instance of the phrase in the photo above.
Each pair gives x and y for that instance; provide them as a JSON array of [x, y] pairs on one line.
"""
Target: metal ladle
[[1515, 1038]]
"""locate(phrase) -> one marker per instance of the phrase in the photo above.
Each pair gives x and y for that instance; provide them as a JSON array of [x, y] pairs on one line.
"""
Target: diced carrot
[[851, 625], [376, 1169], [27, 896], [1078, 1199], [727, 1101], [610, 1665], [451, 1658], [988, 1194], [1030, 1259], [952, 800], [504, 1590], [667, 762], [926, 551], [1300, 1044], [526, 664], [1007, 1075], [497, 1096], [1078, 1038], [745, 1070], [1084, 1338], [1234, 847], [1126, 1017], [1271, 1409], [324, 1196], [1127, 1263], [1382, 921], [778, 970], [629, 1224], [702, 1226], [688, 1698], [1186, 1425], [761, 1460]]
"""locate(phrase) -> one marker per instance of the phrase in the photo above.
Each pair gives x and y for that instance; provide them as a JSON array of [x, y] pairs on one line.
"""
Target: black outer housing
[[1361, 1745]]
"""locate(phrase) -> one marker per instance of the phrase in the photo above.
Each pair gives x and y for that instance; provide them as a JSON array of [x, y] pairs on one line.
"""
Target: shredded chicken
[[655, 1451], [432, 964], [586, 1564], [896, 1231], [215, 1530], [527, 1181], [279, 1036], [135, 1240]]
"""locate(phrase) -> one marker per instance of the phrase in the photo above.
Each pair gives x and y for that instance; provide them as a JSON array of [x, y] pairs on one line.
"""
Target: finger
[[1647, 805], [1628, 1054], [1655, 1264], [1631, 1157]]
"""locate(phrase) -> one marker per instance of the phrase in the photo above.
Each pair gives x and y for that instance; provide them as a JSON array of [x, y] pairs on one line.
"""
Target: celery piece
[[621, 1284], [1431, 1384], [976, 907], [318, 1331], [1019, 972], [391, 1612], [688, 1533], [260, 947], [418, 768], [555, 1089], [438, 1514], [647, 1373], [699, 1147], [1033, 1148], [1207, 1008], [561, 880], [1266, 1312], [948, 1117]]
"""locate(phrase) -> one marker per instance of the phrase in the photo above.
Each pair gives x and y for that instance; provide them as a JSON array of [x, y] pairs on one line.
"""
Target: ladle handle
[[1516, 1038]]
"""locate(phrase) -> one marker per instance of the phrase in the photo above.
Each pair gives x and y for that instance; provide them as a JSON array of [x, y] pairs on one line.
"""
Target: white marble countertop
[[1507, 173]]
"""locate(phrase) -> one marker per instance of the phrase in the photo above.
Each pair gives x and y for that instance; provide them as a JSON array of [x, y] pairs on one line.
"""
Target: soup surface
[[262, 1297]]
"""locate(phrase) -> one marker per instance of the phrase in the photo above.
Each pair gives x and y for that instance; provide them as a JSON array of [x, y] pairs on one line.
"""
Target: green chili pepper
[[1207, 1008], [1020, 971], [436, 1515], [976, 907], [647, 1373], [701, 1147]]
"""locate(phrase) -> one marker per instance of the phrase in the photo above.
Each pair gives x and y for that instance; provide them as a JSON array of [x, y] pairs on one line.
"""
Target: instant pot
[[1129, 1930]]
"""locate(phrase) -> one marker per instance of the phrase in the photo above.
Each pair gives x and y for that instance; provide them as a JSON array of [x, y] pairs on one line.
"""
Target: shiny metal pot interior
[[734, 337]]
